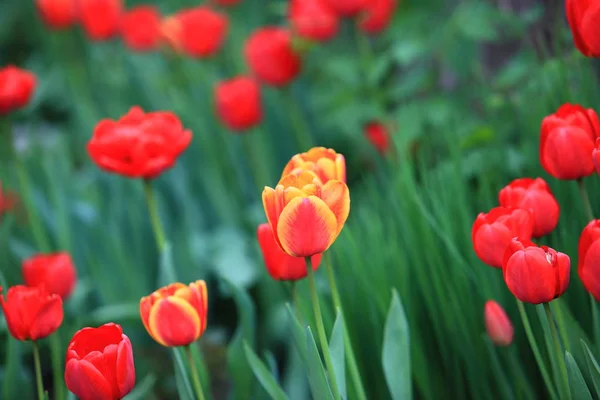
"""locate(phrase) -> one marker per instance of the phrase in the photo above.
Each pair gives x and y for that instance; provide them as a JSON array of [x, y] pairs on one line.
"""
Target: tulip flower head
[[377, 15], [313, 19], [584, 20], [140, 28], [588, 265], [348, 8], [498, 325], [58, 14], [8, 200], [238, 103], [175, 315], [535, 274], [203, 31], [16, 88], [31, 312], [55, 271], [325, 163], [306, 216], [101, 19], [99, 363], [379, 136]]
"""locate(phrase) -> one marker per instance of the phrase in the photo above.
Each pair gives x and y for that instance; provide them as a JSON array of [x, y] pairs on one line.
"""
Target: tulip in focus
[[588, 265], [54, 271], [139, 145], [306, 216], [535, 274], [377, 15], [325, 163], [271, 57], [31, 313], [497, 324], [202, 32], [280, 265], [99, 364], [238, 103], [377, 133], [567, 140], [140, 28], [493, 232], [584, 20], [348, 8], [533, 195], [175, 315], [58, 14], [101, 19], [313, 19], [16, 88]]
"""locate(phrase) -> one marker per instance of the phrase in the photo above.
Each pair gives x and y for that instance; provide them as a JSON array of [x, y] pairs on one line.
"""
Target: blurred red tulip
[[139, 145], [377, 133], [202, 31], [498, 325], [535, 274], [271, 57], [58, 14], [377, 15], [55, 271], [101, 19], [31, 312], [588, 265], [280, 265], [238, 103], [533, 195], [16, 88], [348, 8], [140, 28], [313, 19], [567, 140], [170, 32], [493, 231], [99, 364], [8, 201], [584, 20]]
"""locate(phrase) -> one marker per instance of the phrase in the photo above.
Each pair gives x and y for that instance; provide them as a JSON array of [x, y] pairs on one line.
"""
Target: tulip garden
[[299, 199]]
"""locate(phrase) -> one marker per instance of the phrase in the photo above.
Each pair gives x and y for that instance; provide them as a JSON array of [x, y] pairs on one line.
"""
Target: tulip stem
[[352, 364], [559, 352], [586, 200], [157, 227], [38, 371], [57, 361], [195, 377], [301, 129], [321, 329]]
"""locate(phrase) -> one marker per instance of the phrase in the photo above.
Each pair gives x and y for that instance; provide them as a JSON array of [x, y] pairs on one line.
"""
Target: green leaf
[[579, 389], [593, 367], [317, 376], [184, 387], [263, 375], [396, 351], [298, 336], [336, 346]]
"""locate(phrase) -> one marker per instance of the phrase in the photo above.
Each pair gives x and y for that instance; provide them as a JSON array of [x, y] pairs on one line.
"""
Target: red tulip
[[584, 20], [203, 31], [588, 265], [533, 195], [8, 200], [140, 28], [170, 32], [567, 140], [16, 88], [139, 145], [498, 325], [280, 265], [238, 103], [99, 364], [313, 19], [101, 19], [31, 312], [58, 14], [377, 15], [54, 271], [270, 56], [492, 232], [377, 133], [535, 274], [348, 8]]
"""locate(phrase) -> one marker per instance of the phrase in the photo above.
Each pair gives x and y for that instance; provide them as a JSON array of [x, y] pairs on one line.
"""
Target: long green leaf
[[593, 367], [263, 375], [316, 371], [396, 351], [185, 387], [578, 387], [336, 346]]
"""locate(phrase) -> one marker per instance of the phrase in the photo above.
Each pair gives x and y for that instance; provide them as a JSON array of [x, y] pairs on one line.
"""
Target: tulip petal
[[86, 382], [125, 369], [174, 322], [48, 318], [337, 197]]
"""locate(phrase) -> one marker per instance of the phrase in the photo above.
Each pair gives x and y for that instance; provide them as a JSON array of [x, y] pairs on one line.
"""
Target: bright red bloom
[[271, 57], [202, 31], [584, 20], [588, 265], [58, 14], [31, 312], [16, 88], [377, 15], [139, 145], [280, 265], [238, 103], [377, 133], [535, 274], [493, 231], [56, 272], [313, 19], [140, 28], [533, 195], [348, 8], [101, 19], [567, 140], [99, 364], [497, 324]]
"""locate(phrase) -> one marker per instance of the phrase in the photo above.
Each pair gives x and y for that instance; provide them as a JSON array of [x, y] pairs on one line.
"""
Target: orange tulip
[[325, 163], [175, 315], [306, 216]]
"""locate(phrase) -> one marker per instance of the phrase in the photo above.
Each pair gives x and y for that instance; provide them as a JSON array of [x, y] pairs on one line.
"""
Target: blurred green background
[[463, 86]]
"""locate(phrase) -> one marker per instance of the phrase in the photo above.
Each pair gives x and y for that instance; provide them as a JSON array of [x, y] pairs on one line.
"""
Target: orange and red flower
[[313, 19], [175, 315], [58, 14], [55, 271], [584, 20], [101, 19], [497, 324], [238, 103], [377, 15], [140, 28], [16, 88], [325, 163], [588, 265]]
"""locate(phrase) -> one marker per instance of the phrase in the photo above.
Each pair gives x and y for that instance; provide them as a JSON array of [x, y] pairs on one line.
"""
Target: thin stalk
[[559, 352], [194, 371], [57, 373], [301, 129], [321, 329], [38, 371], [157, 227]]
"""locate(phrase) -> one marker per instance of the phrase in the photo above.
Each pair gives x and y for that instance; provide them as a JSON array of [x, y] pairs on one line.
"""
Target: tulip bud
[[238, 103], [54, 271], [16, 88], [377, 15], [498, 325], [101, 19], [377, 133], [588, 266], [140, 28], [313, 20], [58, 14], [584, 20]]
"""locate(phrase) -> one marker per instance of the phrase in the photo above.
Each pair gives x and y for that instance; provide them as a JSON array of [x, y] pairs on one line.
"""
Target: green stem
[[352, 364], [559, 352], [301, 129], [194, 371], [366, 60], [38, 371], [586, 200], [321, 329], [157, 227], [57, 373]]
